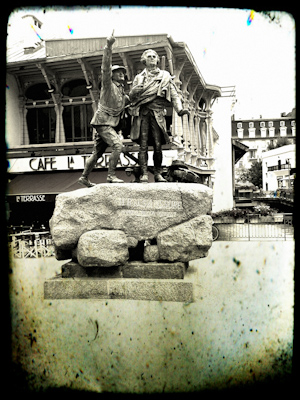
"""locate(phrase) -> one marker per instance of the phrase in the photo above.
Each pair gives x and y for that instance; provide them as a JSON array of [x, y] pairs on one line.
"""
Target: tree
[[253, 174], [281, 141]]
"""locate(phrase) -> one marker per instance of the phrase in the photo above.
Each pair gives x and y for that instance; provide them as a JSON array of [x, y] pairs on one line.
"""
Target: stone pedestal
[[127, 289], [130, 241], [135, 280], [133, 269]]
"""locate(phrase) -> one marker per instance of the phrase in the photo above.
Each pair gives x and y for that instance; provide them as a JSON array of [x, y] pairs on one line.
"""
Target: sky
[[232, 47]]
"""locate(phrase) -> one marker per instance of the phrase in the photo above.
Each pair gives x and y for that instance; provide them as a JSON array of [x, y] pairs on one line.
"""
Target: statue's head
[[118, 73], [150, 58]]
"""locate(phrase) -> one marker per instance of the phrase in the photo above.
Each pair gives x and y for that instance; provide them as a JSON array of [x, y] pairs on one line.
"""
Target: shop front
[[34, 182]]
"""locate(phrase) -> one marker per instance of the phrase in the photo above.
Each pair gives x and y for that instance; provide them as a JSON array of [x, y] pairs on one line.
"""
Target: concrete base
[[133, 269], [120, 288]]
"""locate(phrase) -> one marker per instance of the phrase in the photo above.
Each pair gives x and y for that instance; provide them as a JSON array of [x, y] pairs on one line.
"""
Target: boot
[[85, 182], [113, 160], [157, 158], [157, 175], [144, 177], [159, 178], [143, 161], [90, 164], [111, 178]]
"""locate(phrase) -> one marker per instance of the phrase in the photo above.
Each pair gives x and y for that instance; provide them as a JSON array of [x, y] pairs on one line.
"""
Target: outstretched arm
[[107, 60]]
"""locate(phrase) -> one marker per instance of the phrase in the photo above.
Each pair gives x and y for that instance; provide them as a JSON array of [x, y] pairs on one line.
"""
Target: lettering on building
[[42, 164], [30, 198]]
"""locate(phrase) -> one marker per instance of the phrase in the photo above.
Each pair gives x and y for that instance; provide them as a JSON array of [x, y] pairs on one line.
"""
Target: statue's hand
[[136, 90], [183, 112], [110, 40]]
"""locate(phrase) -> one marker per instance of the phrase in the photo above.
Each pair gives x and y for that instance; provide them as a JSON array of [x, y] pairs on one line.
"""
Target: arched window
[[202, 104], [77, 112], [75, 88], [38, 92]]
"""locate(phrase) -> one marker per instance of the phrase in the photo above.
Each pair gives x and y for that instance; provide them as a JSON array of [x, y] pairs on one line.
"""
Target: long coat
[[158, 93]]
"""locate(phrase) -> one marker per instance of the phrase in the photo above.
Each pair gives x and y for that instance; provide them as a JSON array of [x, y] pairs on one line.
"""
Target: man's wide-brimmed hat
[[116, 67]]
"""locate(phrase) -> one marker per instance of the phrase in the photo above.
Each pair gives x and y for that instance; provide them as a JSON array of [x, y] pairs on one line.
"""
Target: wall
[[239, 330], [223, 197], [12, 117], [259, 145]]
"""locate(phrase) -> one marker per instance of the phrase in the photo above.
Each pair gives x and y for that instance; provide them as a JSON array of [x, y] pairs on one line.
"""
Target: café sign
[[31, 198], [75, 162]]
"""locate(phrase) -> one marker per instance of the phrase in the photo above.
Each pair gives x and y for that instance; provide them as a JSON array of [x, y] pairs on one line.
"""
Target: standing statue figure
[[107, 117], [152, 90]]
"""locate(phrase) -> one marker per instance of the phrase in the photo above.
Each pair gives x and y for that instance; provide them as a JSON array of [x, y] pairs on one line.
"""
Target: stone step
[[133, 269], [174, 290]]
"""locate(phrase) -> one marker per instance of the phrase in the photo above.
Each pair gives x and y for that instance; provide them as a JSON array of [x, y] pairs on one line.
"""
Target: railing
[[31, 245], [279, 167], [257, 227], [283, 193]]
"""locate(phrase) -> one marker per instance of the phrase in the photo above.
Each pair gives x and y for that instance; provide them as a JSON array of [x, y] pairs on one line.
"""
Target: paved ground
[[238, 331]]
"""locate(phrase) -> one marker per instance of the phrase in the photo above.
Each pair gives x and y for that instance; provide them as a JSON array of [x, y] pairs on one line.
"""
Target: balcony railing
[[279, 167]]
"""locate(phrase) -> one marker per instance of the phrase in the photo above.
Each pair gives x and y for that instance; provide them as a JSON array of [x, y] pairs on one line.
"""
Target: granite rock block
[[102, 248], [186, 242], [151, 253], [140, 211]]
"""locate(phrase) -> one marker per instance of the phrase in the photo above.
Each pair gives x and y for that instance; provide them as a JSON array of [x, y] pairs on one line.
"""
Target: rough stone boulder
[[151, 253], [188, 241], [102, 248], [141, 211]]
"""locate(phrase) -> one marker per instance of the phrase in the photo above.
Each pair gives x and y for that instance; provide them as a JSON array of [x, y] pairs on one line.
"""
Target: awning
[[239, 150], [43, 187]]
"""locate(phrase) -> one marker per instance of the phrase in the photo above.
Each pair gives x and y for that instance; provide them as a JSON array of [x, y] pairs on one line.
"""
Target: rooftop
[[62, 55]]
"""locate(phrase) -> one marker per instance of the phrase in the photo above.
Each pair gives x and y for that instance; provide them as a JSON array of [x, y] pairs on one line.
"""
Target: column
[[203, 133], [209, 139], [186, 132], [24, 128], [198, 149], [177, 129], [185, 119], [59, 128], [192, 133]]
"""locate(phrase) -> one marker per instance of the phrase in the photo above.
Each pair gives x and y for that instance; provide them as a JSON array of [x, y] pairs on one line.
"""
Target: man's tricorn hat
[[116, 67]]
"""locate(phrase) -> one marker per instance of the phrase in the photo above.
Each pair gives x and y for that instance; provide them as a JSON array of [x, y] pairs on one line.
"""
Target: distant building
[[252, 138], [278, 167], [259, 134]]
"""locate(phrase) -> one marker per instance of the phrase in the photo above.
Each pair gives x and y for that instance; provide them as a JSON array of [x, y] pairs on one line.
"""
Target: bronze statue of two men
[[152, 90]]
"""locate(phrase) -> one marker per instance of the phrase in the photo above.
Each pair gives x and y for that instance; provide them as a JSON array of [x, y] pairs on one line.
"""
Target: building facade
[[278, 166], [52, 90], [261, 134]]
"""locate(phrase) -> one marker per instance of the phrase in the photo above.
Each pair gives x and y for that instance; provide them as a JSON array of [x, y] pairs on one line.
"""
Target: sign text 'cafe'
[[61, 163], [75, 162]]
